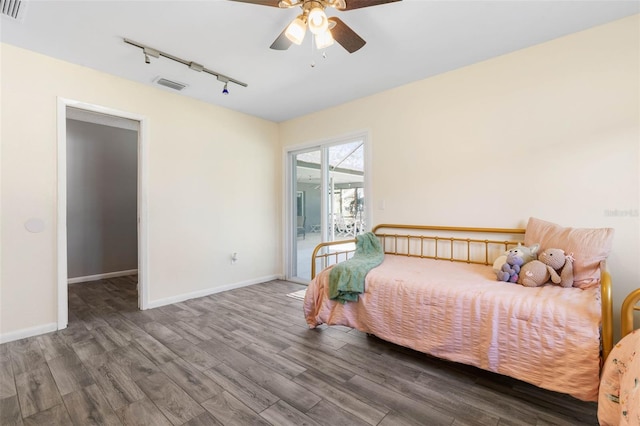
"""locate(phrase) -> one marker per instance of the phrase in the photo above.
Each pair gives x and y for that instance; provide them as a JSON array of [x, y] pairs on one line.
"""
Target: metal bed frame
[[423, 242], [631, 303]]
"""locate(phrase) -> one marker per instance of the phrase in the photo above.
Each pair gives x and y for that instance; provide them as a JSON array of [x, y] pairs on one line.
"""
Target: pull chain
[[313, 50]]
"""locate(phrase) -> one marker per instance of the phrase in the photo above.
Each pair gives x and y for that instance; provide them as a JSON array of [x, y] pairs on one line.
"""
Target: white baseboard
[[206, 292], [47, 328], [101, 276], [28, 332]]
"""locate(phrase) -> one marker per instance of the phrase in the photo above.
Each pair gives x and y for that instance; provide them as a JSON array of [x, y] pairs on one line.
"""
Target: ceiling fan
[[325, 30]]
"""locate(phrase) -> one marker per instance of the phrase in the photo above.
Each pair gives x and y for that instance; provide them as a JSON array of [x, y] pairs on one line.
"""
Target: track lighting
[[225, 80], [151, 52], [196, 66]]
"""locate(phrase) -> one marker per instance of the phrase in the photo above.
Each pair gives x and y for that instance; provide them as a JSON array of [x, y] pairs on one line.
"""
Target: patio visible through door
[[327, 198]]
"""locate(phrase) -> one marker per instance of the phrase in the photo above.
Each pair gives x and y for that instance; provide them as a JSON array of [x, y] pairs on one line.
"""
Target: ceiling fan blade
[[358, 4], [346, 36], [282, 42], [273, 3]]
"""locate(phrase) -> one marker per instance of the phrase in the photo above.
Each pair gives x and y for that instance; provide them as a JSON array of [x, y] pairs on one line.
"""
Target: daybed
[[619, 399], [436, 292]]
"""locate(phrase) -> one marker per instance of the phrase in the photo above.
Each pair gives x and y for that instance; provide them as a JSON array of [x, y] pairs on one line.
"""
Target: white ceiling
[[406, 41]]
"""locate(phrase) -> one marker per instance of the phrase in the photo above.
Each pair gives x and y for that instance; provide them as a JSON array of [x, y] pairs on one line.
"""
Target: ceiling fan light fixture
[[296, 30], [338, 4], [324, 40], [286, 4], [318, 22]]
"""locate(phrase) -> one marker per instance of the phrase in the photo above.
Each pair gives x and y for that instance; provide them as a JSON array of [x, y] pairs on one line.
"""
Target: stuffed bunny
[[552, 264]]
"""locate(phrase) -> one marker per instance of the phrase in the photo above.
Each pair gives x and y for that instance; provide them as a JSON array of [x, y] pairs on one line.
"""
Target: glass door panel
[[346, 190], [307, 209]]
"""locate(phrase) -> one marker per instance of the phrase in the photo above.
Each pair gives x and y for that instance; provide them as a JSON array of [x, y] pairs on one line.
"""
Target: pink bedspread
[[547, 336], [619, 401]]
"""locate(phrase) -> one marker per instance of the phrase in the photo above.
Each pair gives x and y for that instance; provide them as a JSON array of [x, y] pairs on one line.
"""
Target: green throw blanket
[[346, 279]]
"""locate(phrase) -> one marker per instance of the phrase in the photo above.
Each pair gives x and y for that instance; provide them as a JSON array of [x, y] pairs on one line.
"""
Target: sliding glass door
[[327, 200]]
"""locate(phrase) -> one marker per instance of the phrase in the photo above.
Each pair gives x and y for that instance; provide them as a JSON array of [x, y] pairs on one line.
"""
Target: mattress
[[548, 336]]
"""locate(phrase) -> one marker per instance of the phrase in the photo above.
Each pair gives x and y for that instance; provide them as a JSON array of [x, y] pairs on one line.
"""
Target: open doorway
[[101, 209]]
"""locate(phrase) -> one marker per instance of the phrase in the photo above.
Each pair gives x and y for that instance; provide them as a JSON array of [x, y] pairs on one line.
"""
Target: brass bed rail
[[326, 257], [469, 250], [479, 250], [630, 304], [606, 304]]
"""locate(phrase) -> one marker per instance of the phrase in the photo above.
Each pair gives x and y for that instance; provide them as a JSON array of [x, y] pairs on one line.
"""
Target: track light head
[[225, 80], [149, 52]]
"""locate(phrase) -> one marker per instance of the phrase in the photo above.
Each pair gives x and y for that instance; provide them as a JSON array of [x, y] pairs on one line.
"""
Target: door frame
[[61, 199], [289, 218]]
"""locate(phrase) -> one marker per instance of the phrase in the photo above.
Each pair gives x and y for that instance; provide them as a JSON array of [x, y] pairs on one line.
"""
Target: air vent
[[13, 9], [171, 84]]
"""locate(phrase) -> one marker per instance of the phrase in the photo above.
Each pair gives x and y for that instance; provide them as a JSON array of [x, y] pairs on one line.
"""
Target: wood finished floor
[[246, 357]]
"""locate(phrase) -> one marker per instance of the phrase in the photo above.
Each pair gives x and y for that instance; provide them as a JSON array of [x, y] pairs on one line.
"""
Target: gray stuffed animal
[[526, 253]]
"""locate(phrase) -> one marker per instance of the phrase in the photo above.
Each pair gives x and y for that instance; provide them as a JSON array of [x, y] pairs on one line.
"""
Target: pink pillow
[[589, 247]]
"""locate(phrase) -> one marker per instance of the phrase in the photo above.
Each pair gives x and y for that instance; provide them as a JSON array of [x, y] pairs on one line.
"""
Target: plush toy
[[526, 253], [551, 264], [511, 269]]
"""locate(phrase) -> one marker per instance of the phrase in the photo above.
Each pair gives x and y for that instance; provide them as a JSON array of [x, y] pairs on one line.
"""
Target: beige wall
[[213, 179], [550, 131]]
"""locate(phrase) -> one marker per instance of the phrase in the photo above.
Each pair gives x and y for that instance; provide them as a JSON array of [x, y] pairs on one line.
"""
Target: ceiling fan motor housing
[[338, 4]]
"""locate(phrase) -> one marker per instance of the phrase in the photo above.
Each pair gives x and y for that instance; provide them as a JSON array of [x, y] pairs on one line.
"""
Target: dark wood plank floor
[[246, 357]]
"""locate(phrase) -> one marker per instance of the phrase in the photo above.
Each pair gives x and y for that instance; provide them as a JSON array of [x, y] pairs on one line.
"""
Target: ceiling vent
[[170, 84], [14, 9]]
